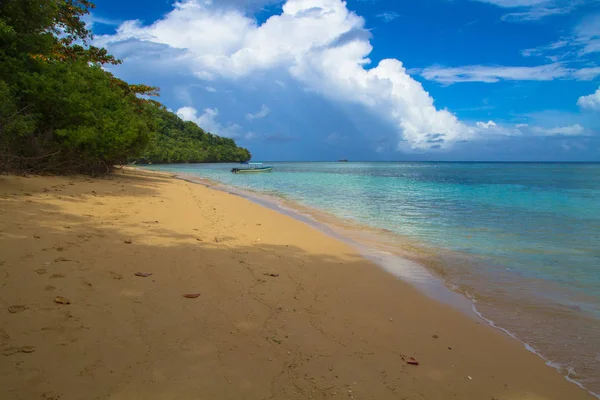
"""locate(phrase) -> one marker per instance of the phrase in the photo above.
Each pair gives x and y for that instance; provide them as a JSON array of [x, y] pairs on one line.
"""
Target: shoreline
[[284, 310], [411, 270]]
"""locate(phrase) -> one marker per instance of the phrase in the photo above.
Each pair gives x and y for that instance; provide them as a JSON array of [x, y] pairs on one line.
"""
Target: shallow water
[[521, 239]]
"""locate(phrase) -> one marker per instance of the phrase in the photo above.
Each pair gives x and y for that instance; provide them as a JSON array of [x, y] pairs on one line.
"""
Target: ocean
[[520, 240]]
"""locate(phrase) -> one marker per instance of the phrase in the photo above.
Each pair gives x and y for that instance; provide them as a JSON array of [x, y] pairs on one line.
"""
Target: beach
[[274, 310]]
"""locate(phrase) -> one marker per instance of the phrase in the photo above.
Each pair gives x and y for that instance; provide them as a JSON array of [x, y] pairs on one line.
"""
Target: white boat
[[252, 168]]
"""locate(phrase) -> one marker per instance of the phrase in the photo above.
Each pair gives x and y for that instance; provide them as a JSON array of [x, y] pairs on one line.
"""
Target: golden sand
[[282, 311]]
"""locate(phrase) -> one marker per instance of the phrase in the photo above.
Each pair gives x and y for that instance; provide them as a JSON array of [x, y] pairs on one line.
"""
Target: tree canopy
[[61, 112]]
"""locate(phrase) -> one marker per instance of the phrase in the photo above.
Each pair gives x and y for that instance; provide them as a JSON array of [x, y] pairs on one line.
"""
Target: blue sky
[[371, 79]]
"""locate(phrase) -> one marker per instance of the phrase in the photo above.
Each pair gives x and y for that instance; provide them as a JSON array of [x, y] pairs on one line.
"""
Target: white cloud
[[492, 74], [532, 10], [318, 42], [515, 3], [587, 74], [388, 16], [210, 89], [208, 122], [587, 34], [492, 128], [92, 19], [264, 111], [582, 41], [486, 125], [591, 102], [536, 13], [571, 130]]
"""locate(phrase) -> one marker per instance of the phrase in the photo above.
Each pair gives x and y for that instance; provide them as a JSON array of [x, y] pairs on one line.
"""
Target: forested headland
[[62, 112]]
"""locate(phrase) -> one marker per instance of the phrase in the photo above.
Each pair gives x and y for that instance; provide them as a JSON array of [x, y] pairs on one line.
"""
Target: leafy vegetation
[[178, 141], [61, 112]]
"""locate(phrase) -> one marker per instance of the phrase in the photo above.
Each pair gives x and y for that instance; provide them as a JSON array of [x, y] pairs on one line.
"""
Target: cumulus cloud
[[319, 42], [208, 121], [591, 102], [325, 47], [264, 111]]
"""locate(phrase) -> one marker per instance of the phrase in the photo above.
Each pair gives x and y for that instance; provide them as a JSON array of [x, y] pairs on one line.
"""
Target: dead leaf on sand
[[27, 349], [412, 361], [61, 259], [16, 308], [143, 274], [127, 241], [41, 271], [191, 295], [62, 300], [271, 275]]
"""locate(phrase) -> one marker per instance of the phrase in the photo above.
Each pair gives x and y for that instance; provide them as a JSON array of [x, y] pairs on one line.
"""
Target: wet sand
[[283, 312]]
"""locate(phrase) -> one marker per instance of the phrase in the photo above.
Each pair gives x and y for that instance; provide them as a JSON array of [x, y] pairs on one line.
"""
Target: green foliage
[[61, 112], [178, 141]]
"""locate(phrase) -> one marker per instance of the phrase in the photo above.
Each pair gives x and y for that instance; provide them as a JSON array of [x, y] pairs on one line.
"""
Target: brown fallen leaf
[[127, 241], [198, 239], [191, 295], [272, 275], [62, 300], [36, 236], [27, 349], [143, 274], [16, 308], [412, 361]]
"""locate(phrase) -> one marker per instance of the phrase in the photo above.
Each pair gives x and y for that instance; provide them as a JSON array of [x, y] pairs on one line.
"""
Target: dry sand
[[328, 324]]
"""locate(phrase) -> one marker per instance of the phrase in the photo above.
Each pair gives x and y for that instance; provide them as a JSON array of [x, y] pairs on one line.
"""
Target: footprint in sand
[[4, 337], [51, 396], [9, 350], [116, 276], [17, 308]]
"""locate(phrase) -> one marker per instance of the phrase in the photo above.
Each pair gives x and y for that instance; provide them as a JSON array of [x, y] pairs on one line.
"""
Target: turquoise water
[[521, 239]]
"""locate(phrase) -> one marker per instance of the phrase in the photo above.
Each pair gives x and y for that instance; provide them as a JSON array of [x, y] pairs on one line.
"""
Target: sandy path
[[328, 325]]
